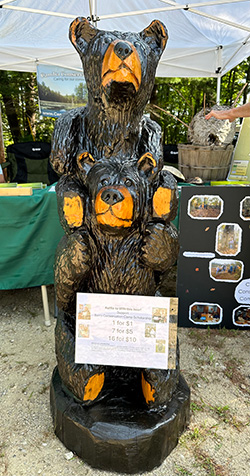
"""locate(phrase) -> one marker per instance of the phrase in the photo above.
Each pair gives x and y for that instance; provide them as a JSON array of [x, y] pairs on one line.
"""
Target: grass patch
[[223, 413], [196, 406], [182, 471], [212, 337], [2, 446], [233, 373], [207, 463], [225, 416]]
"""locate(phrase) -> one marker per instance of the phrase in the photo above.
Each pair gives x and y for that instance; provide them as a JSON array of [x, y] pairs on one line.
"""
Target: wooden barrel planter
[[208, 163]]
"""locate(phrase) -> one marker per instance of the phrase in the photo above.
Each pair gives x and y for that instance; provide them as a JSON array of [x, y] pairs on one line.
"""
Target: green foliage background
[[47, 94], [20, 111], [184, 97], [181, 97]]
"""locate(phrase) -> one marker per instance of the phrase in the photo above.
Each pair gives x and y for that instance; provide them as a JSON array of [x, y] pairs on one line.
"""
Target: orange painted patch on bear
[[162, 201], [126, 70], [72, 30], [118, 215], [94, 387], [164, 36], [73, 210], [147, 389]]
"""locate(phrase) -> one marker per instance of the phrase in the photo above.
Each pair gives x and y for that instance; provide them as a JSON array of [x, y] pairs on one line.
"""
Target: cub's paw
[[165, 198], [160, 248]]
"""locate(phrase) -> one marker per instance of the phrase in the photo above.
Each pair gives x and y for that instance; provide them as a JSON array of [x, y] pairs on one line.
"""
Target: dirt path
[[215, 364]]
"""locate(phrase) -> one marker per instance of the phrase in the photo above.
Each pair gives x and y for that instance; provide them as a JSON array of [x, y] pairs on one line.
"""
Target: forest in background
[[179, 99], [79, 96]]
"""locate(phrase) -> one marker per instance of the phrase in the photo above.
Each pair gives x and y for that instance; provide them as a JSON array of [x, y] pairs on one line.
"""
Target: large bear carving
[[120, 240], [116, 204]]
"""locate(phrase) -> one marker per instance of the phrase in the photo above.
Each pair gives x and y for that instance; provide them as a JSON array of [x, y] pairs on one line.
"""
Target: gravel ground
[[215, 363]]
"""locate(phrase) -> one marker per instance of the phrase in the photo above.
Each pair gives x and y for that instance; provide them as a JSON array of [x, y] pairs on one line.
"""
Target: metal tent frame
[[211, 60]]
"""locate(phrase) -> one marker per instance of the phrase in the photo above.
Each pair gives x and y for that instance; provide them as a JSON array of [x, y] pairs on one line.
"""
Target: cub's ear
[[156, 31], [147, 166], [85, 162], [80, 33]]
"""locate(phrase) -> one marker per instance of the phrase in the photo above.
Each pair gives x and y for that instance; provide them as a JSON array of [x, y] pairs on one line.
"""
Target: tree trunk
[[2, 155], [2, 159], [246, 90], [30, 102], [10, 109]]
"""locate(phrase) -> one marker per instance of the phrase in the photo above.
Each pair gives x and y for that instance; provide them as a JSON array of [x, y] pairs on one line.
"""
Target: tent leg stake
[[47, 321]]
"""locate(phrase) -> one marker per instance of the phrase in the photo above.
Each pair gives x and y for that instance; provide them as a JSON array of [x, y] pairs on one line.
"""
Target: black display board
[[213, 284]]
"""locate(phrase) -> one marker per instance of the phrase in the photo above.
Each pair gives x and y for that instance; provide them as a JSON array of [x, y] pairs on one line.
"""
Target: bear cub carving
[[119, 239]]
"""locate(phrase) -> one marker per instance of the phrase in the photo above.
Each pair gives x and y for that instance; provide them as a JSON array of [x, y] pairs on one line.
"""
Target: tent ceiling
[[206, 38]]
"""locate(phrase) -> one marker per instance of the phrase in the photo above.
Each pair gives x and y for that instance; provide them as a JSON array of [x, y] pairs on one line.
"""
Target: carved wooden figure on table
[[115, 204]]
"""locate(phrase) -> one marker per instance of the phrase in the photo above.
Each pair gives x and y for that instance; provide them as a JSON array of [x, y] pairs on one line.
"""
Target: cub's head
[[116, 64], [118, 189]]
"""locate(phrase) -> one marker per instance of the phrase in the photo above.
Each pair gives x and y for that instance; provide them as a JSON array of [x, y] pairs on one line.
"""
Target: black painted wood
[[109, 154], [119, 434]]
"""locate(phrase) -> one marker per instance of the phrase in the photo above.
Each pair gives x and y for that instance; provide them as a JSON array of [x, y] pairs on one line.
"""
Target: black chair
[[170, 154], [28, 162]]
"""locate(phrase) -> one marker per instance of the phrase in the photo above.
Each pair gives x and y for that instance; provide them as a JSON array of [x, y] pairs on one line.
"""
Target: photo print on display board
[[226, 270], [213, 283], [245, 208], [241, 316], [205, 313], [205, 207], [228, 239]]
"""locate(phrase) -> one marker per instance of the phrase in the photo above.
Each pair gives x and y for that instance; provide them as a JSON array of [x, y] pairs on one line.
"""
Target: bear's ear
[[81, 32], [147, 166], [85, 161], [156, 31]]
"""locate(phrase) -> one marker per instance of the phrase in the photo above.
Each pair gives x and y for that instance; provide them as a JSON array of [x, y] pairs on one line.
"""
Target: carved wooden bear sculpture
[[119, 69], [119, 240], [116, 205]]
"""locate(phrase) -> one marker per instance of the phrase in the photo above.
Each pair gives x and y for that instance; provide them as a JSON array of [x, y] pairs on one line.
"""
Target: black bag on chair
[[29, 163]]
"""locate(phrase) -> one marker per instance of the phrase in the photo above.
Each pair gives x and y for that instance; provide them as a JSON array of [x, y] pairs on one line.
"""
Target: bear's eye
[[128, 182], [108, 39], [104, 182]]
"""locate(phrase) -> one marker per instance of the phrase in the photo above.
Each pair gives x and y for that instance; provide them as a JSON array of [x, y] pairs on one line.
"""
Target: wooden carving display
[[115, 204]]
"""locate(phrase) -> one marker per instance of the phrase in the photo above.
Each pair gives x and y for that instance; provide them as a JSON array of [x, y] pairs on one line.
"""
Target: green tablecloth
[[29, 234]]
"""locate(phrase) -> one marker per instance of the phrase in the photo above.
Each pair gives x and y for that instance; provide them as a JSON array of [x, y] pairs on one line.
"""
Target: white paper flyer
[[125, 330]]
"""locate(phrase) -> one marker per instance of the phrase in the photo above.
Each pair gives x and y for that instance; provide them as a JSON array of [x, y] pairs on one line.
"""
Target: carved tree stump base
[[116, 434]]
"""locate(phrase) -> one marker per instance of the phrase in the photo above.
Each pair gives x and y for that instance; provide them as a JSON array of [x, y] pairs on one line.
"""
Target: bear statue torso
[[119, 270], [73, 134]]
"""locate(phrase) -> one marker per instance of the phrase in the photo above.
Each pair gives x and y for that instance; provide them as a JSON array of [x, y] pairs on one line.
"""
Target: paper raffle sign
[[131, 331]]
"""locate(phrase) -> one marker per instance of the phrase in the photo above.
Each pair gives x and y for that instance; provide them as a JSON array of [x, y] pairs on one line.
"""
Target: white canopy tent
[[206, 38]]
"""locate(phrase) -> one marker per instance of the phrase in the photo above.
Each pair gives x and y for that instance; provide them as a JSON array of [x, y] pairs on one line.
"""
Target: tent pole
[[187, 7], [93, 10], [218, 90]]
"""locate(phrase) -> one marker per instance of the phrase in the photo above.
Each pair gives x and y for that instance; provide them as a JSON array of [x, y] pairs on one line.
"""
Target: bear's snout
[[121, 64], [114, 206], [112, 196], [122, 49]]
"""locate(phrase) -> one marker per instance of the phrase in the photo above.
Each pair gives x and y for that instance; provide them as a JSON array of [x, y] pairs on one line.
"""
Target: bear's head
[[118, 189], [118, 66]]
